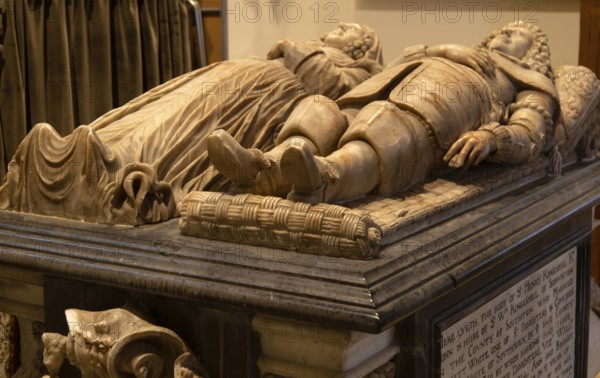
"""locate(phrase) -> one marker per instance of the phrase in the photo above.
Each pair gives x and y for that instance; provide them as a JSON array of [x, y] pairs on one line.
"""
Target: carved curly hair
[[367, 46], [537, 57]]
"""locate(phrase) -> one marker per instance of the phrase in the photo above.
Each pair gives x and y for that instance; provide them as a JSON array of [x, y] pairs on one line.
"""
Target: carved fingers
[[275, 53], [279, 50], [481, 63], [467, 56], [470, 149]]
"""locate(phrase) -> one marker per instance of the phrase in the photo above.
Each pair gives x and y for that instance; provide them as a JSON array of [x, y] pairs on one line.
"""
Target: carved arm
[[315, 69], [519, 139], [465, 55], [530, 123]]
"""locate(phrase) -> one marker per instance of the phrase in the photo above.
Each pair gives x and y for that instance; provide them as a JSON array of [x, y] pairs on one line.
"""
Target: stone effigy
[[135, 163], [392, 150], [445, 107]]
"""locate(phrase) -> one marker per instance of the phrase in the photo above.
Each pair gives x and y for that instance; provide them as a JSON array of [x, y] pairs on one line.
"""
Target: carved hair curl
[[359, 48], [366, 47]]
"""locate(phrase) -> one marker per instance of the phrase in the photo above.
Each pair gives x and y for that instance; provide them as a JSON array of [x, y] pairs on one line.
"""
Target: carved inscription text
[[525, 332]]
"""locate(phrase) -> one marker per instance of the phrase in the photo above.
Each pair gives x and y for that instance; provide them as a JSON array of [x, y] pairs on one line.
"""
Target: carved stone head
[[356, 40], [525, 43], [117, 344]]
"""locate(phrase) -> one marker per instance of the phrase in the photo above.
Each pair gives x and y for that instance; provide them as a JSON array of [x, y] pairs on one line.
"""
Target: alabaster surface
[[315, 124], [135, 163], [405, 137]]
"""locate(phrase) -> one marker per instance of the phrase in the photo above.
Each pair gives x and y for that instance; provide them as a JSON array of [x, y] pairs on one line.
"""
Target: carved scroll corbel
[[118, 344]]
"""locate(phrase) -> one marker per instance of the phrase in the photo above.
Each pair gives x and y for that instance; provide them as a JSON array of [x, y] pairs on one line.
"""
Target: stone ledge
[[367, 296]]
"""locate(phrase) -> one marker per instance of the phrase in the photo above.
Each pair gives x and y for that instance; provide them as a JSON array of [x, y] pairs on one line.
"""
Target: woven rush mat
[[356, 229], [408, 212]]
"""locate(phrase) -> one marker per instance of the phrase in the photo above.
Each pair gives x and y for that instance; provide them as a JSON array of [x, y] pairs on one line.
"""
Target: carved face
[[513, 41], [343, 35]]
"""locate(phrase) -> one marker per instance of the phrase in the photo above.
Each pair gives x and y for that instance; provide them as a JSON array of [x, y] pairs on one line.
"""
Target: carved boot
[[309, 175], [249, 170]]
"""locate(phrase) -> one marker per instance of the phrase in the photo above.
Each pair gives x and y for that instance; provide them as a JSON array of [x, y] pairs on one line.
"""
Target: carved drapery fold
[[67, 63]]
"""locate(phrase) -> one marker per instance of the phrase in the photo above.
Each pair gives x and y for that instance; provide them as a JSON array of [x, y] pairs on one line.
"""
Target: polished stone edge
[[365, 296], [511, 230]]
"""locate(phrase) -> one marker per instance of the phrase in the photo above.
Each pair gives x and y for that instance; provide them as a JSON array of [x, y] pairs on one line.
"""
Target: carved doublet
[[450, 98]]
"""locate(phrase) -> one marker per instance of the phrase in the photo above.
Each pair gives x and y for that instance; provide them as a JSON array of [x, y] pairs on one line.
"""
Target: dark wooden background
[[589, 56]]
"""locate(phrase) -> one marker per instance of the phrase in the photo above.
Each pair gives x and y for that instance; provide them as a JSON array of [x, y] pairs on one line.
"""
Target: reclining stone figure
[[446, 106], [135, 163]]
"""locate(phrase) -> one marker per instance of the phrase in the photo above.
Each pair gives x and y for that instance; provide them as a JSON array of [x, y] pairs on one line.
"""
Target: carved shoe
[[238, 164], [308, 174]]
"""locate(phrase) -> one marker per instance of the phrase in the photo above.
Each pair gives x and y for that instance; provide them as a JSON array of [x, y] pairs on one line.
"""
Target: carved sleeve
[[410, 53], [322, 76], [530, 121], [296, 53], [415, 52]]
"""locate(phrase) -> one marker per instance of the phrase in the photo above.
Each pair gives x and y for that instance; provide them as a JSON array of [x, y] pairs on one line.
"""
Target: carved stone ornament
[[118, 344]]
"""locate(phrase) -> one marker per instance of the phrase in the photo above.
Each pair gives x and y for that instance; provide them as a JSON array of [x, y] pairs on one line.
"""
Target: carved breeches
[[401, 141]]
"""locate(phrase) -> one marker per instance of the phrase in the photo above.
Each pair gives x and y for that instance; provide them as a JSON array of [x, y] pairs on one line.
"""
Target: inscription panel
[[526, 331]]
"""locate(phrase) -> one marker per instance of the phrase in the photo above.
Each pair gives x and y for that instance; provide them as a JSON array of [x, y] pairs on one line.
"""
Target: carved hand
[[470, 149], [279, 50], [464, 55]]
